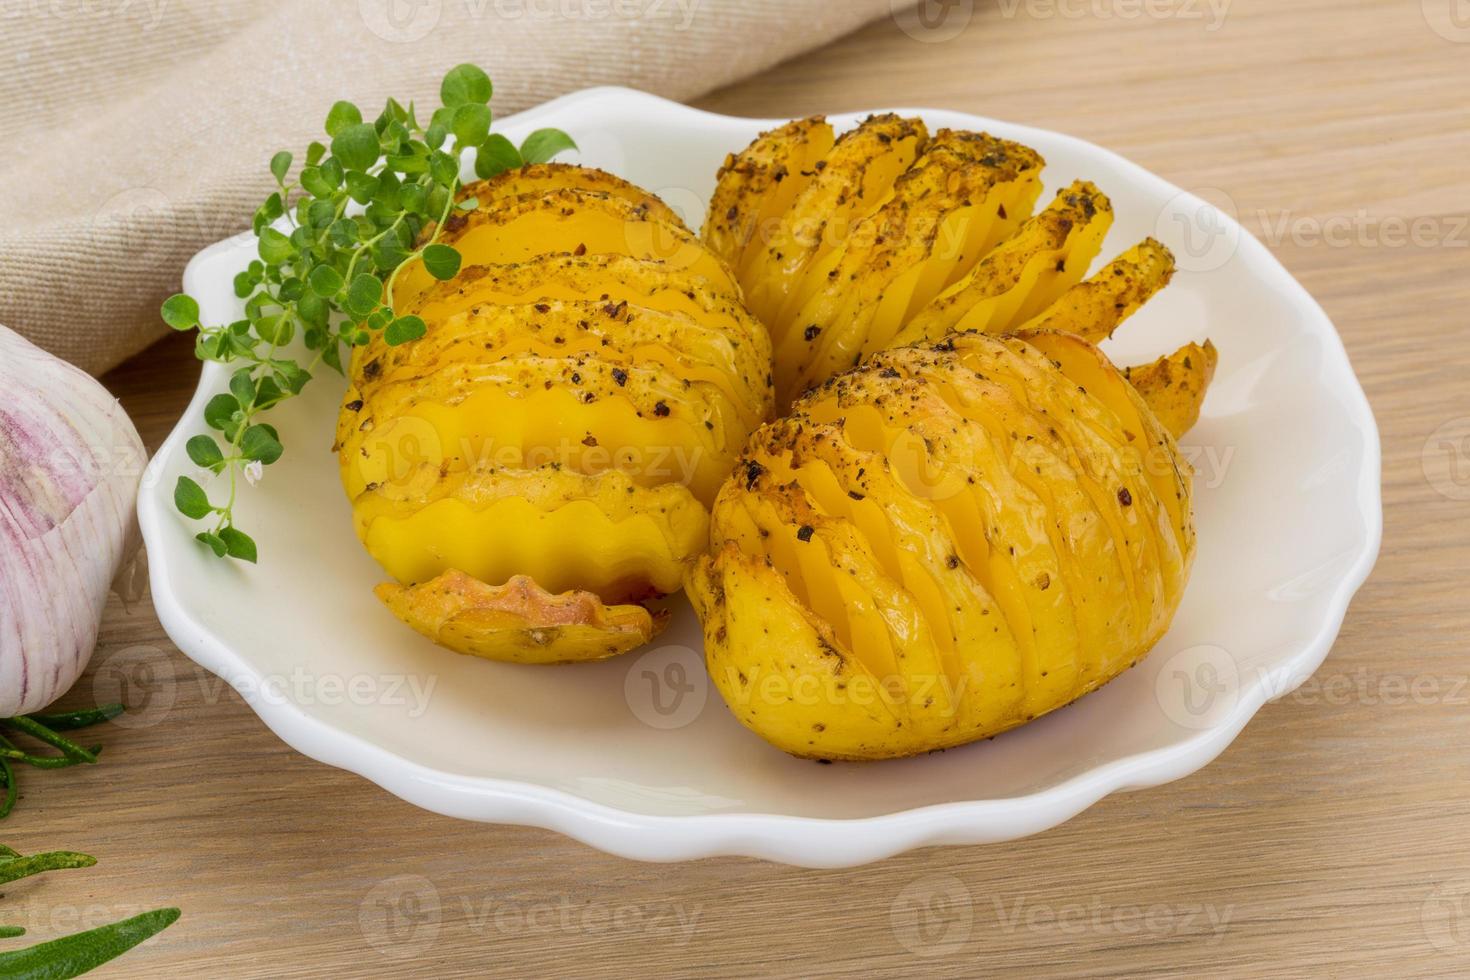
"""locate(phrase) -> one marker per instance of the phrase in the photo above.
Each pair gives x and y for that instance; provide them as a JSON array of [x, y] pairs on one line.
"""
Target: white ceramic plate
[[637, 756]]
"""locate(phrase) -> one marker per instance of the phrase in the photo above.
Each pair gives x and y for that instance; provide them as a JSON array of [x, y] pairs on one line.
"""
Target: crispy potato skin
[[758, 184], [943, 544], [1095, 308], [538, 178], [1174, 386], [541, 462], [519, 622]]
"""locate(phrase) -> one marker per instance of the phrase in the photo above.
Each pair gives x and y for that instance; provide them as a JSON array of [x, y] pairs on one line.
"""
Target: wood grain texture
[[1332, 838]]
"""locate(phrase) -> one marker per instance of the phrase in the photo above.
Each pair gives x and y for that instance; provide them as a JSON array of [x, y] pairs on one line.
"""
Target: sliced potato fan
[[887, 236], [540, 463]]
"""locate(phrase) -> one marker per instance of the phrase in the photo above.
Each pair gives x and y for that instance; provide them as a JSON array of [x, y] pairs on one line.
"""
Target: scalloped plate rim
[[798, 840]]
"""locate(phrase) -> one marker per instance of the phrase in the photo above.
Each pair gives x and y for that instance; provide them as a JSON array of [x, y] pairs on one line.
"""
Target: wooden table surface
[[1333, 837]]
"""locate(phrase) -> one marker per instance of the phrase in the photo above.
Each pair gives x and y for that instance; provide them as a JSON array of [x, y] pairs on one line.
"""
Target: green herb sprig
[[46, 729], [355, 213], [82, 952]]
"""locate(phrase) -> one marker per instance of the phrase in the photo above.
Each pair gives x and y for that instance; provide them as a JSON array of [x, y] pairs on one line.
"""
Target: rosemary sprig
[[74, 955], [17, 867], [42, 733], [72, 720], [46, 730], [82, 952], [355, 214]]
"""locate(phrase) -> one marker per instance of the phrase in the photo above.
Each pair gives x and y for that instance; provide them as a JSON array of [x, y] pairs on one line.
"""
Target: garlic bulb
[[70, 462]]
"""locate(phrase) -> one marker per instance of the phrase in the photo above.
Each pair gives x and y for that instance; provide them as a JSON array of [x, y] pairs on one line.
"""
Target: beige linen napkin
[[138, 131]]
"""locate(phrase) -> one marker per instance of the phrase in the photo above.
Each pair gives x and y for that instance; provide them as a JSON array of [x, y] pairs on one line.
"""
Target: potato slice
[[537, 179], [1093, 309], [587, 414], [702, 349], [609, 278], [1024, 274], [565, 220], [604, 534], [965, 193], [757, 185], [520, 622], [851, 181], [1174, 386]]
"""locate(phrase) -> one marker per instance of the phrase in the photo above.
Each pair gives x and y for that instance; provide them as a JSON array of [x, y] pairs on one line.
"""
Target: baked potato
[[947, 542], [537, 467], [887, 237]]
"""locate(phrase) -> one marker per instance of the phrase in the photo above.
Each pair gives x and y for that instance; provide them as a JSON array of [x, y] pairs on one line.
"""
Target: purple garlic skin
[[70, 462]]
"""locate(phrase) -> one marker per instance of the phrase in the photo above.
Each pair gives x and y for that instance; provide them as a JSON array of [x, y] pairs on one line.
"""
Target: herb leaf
[[82, 952], [238, 544], [544, 144], [17, 868], [404, 329], [464, 84], [442, 261], [364, 294], [181, 312], [191, 500], [260, 445], [204, 451], [496, 156], [339, 117], [356, 146]]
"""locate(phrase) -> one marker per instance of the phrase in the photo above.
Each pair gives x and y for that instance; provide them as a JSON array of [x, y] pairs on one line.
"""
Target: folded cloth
[[139, 130]]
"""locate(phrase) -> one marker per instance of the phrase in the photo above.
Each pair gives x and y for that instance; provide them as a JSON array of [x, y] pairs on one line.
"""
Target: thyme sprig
[[332, 240]]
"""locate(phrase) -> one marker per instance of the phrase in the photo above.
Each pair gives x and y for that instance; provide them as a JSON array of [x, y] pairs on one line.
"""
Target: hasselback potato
[[887, 236], [539, 464], [969, 516], [947, 542]]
